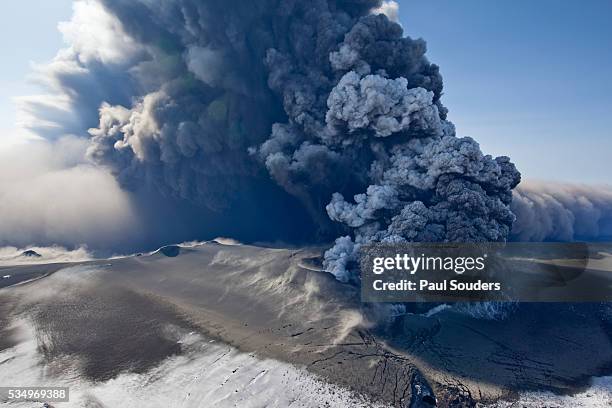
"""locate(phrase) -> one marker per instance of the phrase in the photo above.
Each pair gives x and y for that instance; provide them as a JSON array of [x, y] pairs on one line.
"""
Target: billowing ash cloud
[[48, 196], [318, 111], [562, 212], [365, 123]]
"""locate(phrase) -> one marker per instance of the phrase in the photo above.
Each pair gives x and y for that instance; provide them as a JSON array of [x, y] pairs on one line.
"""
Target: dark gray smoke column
[[203, 75], [317, 109], [365, 120]]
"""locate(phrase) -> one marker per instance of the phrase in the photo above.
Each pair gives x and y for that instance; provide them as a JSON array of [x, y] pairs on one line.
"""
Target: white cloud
[[390, 9], [94, 33]]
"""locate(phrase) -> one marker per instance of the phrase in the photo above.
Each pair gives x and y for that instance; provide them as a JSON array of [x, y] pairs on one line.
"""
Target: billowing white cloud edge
[[390, 9]]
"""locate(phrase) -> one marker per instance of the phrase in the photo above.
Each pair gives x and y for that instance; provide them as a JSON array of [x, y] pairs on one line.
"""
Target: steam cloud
[[315, 116]]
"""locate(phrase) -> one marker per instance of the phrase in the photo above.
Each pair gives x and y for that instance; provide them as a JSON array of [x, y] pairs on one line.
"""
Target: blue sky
[[529, 79], [28, 33]]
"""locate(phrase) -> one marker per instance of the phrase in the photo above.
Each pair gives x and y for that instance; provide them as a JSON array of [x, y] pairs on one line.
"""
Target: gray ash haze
[[562, 212], [294, 121]]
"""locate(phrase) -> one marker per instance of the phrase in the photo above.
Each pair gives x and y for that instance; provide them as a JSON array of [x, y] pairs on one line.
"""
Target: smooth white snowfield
[[210, 374]]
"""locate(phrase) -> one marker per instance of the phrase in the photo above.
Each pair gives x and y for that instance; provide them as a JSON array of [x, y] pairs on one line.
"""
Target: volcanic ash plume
[[48, 196], [562, 212], [369, 123], [318, 109]]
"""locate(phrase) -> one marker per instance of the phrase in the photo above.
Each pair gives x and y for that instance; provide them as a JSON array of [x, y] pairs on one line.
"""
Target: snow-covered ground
[[11, 256], [209, 374], [598, 395]]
